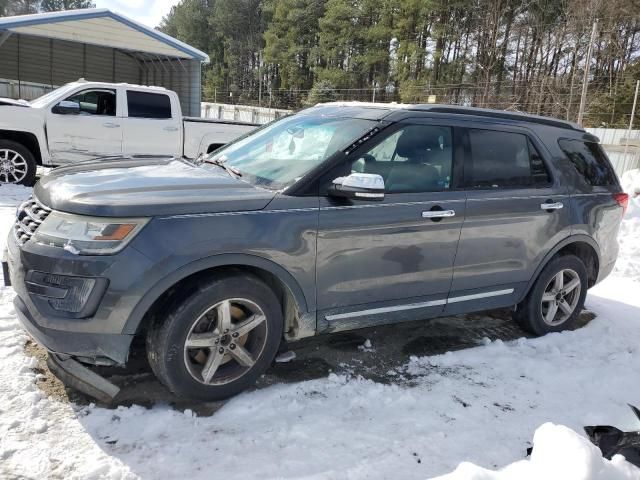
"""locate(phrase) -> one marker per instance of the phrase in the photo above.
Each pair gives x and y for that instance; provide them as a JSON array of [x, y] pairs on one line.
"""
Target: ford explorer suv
[[85, 120], [340, 217]]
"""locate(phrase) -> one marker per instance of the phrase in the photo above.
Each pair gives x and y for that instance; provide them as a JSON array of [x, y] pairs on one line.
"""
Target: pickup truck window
[[281, 153], [95, 102], [148, 105]]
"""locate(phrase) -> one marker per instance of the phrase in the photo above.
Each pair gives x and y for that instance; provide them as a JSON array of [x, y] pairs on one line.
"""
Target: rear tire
[[218, 341], [556, 299], [17, 164]]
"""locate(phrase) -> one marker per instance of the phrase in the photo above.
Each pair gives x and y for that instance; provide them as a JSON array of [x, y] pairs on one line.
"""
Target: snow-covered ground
[[480, 406], [629, 265]]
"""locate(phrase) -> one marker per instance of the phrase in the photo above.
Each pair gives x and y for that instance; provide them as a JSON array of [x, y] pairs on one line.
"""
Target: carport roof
[[100, 26]]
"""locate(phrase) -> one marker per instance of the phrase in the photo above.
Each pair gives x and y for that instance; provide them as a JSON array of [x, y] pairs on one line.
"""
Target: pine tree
[[291, 40], [56, 5]]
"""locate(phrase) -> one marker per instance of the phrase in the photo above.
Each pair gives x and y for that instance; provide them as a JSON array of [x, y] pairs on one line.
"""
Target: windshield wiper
[[234, 172]]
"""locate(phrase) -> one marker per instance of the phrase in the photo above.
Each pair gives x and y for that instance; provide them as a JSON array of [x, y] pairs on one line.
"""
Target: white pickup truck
[[87, 120]]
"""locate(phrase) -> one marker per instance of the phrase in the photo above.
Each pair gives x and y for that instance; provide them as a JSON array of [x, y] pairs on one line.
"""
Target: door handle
[[170, 129], [438, 213], [551, 206], [111, 125]]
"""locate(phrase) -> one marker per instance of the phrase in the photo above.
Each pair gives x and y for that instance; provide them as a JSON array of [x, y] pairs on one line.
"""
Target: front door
[[379, 262], [95, 132], [516, 212]]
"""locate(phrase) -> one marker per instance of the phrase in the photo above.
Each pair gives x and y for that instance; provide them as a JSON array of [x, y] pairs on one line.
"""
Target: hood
[[14, 103], [146, 187]]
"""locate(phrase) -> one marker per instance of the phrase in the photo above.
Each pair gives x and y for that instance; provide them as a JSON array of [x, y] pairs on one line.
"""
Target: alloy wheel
[[13, 166], [560, 297], [225, 341]]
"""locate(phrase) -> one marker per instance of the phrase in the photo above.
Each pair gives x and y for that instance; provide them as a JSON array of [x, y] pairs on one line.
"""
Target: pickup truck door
[[152, 124], [95, 132]]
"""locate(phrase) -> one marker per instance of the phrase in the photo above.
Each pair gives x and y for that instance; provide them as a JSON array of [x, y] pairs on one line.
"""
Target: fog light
[[63, 293]]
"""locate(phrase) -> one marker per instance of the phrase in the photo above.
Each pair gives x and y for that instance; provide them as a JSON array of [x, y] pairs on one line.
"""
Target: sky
[[148, 12]]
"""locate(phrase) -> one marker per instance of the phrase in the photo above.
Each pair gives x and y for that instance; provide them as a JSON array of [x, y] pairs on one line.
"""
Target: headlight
[[88, 235]]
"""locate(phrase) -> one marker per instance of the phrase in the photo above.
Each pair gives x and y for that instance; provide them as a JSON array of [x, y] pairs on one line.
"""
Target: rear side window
[[590, 161], [503, 159], [148, 105]]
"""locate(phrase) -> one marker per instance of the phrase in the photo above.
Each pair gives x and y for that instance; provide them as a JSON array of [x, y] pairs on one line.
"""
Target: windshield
[[284, 151], [44, 100]]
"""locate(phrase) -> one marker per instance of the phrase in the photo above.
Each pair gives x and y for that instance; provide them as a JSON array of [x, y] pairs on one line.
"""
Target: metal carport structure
[[44, 51]]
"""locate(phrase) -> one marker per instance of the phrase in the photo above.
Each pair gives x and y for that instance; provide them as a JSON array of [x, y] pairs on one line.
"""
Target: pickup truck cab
[[86, 120]]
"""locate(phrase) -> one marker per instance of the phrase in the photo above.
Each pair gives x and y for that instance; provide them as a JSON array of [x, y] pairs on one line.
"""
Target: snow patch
[[559, 453]]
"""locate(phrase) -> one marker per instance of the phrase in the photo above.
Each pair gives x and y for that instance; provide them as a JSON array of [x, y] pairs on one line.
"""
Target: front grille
[[28, 218]]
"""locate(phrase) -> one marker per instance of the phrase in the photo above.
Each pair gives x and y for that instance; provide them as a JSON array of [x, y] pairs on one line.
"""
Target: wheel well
[[29, 140], [587, 254], [188, 285]]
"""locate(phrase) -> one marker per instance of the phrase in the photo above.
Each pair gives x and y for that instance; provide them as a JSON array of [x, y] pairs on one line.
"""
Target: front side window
[[590, 162], [416, 158], [503, 160], [148, 105], [279, 154], [95, 102]]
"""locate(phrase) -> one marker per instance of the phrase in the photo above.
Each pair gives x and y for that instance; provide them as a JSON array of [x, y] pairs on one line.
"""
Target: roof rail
[[504, 114]]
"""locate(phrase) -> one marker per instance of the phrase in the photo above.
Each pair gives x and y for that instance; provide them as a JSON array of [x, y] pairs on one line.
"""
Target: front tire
[[556, 298], [17, 164], [219, 340]]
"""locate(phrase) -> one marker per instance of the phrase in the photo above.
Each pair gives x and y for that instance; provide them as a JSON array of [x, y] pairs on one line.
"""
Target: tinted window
[[417, 158], [148, 105], [590, 161], [96, 102], [503, 159]]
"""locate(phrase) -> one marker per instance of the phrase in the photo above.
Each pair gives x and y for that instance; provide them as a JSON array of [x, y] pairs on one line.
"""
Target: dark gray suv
[[340, 217]]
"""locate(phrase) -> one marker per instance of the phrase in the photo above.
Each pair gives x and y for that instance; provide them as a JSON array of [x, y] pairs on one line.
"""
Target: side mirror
[[67, 108], [359, 186]]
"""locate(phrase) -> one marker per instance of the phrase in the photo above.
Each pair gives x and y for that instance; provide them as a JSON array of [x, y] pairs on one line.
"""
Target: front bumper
[[96, 335], [90, 347], [81, 378]]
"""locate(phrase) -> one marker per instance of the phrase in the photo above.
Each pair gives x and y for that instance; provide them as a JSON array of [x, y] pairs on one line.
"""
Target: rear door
[[379, 262], [516, 212], [152, 124]]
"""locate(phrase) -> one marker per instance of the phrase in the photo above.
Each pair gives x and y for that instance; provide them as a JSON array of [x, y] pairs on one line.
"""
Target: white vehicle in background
[[87, 120]]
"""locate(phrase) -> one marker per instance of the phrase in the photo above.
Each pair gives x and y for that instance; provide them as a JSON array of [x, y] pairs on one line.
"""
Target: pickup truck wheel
[[556, 299], [219, 340], [17, 164]]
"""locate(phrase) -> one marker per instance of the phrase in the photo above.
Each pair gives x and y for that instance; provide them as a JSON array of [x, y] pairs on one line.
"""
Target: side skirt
[[337, 320]]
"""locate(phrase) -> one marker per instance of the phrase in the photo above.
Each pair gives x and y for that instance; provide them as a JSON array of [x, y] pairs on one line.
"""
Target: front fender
[[165, 283], [28, 121]]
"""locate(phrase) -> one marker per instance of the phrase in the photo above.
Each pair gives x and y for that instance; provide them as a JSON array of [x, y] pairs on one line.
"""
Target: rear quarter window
[[590, 161]]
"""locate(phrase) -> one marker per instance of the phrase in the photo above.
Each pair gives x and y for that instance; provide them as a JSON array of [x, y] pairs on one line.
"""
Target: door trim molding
[[412, 306], [476, 296], [377, 311]]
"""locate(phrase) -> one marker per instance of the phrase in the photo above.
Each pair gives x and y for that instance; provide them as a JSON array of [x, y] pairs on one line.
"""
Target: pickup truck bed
[[204, 135]]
